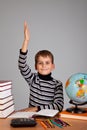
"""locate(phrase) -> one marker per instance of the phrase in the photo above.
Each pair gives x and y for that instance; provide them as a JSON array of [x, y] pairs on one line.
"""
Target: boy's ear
[[35, 67], [53, 66]]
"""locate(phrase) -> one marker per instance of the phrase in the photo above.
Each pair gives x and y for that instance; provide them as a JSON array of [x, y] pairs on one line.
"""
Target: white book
[[6, 99], [2, 88], [5, 82], [6, 105], [5, 113], [5, 93], [43, 112]]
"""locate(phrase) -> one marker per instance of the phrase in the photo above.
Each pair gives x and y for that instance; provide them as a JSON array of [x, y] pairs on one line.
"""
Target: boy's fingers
[[25, 23]]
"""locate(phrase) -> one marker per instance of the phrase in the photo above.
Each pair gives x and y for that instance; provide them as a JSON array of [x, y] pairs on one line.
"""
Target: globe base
[[76, 110]]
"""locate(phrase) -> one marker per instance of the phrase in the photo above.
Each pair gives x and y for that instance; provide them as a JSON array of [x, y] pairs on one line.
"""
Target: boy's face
[[44, 65]]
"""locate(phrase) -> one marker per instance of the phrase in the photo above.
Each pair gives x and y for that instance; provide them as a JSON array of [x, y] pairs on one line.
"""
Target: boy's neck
[[45, 77]]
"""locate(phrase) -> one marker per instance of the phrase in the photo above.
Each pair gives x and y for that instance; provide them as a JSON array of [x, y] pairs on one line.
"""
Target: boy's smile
[[44, 65]]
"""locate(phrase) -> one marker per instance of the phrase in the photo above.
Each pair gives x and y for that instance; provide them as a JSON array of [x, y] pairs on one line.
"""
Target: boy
[[45, 91]]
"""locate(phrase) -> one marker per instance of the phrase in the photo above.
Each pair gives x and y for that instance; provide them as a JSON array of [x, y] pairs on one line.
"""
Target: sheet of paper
[[48, 112], [22, 115]]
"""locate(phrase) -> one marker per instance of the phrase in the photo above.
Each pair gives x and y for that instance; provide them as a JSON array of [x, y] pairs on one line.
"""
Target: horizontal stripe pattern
[[46, 94]]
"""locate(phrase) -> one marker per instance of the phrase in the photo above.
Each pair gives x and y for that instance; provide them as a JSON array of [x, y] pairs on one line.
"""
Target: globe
[[76, 89]]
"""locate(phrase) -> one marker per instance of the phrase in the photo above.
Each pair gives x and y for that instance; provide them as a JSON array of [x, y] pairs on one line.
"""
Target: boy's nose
[[43, 64]]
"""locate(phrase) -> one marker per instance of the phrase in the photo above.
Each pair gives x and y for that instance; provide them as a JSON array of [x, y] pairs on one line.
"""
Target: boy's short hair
[[44, 53]]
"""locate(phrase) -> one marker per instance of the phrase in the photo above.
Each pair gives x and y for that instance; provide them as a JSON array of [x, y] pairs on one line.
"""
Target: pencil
[[47, 123], [61, 122], [67, 123], [50, 123], [56, 124], [43, 124]]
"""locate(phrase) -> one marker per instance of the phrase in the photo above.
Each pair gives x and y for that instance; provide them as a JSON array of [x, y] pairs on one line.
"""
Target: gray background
[[57, 25]]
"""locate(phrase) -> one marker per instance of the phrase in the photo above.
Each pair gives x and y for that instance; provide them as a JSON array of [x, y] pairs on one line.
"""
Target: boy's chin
[[44, 74]]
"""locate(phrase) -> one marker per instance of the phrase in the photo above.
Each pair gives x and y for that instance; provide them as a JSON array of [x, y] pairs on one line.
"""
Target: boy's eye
[[41, 63], [47, 63]]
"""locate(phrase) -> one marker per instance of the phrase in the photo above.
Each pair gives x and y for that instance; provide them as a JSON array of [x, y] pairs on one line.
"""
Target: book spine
[[3, 83], [5, 93], [2, 110], [4, 106], [2, 88], [74, 116], [6, 99], [5, 89], [7, 111]]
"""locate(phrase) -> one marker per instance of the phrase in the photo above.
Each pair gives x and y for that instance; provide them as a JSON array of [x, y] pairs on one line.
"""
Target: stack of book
[[6, 99], [80, 116]]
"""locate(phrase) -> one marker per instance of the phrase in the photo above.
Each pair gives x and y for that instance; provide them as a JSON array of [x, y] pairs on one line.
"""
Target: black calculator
[[23, 122]]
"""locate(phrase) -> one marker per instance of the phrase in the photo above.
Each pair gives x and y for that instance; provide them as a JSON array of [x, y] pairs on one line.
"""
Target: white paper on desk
[[43, 112], [47, 112], [22, 115]]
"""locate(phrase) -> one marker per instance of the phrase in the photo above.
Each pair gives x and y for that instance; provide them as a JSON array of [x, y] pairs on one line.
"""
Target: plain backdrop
[[57, 25]]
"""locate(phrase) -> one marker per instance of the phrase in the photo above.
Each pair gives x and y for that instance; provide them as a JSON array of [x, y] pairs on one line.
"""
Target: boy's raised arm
[[26, 38]]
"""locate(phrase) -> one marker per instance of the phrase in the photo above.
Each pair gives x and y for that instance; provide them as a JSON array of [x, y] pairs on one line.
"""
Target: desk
[[76, 124]]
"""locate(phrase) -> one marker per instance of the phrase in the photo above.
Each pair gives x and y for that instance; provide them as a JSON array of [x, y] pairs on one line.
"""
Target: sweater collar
[[45, 77]]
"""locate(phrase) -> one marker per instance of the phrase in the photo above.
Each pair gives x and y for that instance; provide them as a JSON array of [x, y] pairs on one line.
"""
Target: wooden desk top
[[76, 125]]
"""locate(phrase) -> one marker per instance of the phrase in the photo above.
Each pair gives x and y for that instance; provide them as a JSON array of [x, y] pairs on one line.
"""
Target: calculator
[[23, 122]]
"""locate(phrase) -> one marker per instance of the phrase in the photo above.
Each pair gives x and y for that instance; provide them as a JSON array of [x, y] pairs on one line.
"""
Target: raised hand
[[26, 37], [26, 32]]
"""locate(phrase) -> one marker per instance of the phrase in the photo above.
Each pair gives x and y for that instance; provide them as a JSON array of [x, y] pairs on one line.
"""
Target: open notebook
[[43, 112]]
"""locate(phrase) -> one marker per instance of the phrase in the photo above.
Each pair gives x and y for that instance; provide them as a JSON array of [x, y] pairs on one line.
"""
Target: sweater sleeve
[[24, 68]]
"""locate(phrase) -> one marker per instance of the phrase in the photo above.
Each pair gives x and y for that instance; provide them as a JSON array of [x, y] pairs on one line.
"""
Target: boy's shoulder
[[57, 81]]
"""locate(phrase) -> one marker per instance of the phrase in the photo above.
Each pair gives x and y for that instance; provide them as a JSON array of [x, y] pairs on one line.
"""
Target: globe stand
[[76, 109]]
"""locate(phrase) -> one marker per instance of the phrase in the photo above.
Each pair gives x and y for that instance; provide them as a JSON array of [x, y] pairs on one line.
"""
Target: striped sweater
[[43, 93]]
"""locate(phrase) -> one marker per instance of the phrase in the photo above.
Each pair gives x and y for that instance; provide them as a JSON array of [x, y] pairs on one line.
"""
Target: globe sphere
[[76, 87]]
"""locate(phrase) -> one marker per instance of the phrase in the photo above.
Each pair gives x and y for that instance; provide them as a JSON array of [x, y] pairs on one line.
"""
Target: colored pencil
[[43, 124], [56, 123]]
